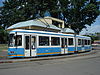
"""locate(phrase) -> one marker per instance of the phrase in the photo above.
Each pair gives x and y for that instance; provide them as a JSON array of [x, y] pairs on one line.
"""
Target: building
[[42, 24]]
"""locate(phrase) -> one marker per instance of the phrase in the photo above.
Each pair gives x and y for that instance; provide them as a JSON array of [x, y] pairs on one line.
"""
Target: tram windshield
[[11, 40], [15, 40]]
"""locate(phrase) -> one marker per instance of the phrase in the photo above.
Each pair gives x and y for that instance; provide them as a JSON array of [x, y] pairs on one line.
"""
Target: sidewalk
[[3, 51], [46, 58], [3, 54]]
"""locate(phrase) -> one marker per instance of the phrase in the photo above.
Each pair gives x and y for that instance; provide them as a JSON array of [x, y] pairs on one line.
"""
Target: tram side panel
[[48, 45], [71, 45], [15, 52], [48, 51], [83, 44], [87, 44], [80, 46]]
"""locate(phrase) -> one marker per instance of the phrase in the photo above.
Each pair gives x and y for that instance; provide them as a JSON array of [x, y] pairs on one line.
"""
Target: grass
[[3, 47]]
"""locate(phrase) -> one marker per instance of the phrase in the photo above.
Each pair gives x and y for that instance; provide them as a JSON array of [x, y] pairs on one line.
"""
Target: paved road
[[84, 65]]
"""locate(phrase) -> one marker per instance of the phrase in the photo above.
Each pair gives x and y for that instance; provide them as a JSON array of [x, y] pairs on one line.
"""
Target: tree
[[3, 36], [81, 13], [94, 37], [15, 11], [76, 13]]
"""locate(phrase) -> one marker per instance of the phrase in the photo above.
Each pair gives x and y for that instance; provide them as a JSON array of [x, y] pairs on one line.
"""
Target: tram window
[[86, 42], [83, 42], [70, 41], [89, 42], [62, 42], [18, 40], [11, 40], [43, 41], [66, 42], [33, 44], [79, 41], [26, 42], [55, 41]]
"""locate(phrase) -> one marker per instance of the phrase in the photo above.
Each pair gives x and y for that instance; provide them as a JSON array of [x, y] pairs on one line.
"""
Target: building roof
[[32, 23], [67, 30]]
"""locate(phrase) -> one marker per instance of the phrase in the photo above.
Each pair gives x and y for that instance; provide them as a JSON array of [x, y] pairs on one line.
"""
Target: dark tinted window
[[11, 40], [27, 42], [70, 41], [89, 42], [83, 42], [86, 42], [63, 42], [55, 41], [79, 42], [43, 41], [33, 42], [18, 40], [66, 42]]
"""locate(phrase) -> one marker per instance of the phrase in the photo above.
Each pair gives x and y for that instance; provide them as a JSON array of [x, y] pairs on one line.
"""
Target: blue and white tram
[[31, 43], [83, 43]]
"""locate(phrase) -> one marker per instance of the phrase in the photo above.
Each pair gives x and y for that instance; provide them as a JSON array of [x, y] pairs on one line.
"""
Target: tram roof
[[83, 36], [45, 32], [67, 30], [32, 23]]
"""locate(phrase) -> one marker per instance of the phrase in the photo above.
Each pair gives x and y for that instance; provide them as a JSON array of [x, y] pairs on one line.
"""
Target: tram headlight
[[12, 52]]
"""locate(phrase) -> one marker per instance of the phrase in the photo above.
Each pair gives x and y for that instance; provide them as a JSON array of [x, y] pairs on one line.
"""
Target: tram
[[33, 43]]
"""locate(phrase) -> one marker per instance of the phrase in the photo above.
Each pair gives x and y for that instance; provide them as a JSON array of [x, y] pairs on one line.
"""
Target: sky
[[95, 27], [1, 4]]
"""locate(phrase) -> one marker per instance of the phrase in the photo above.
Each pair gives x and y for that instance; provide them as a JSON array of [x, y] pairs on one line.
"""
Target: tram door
[[64, 48], [83, 43], [30, 45]]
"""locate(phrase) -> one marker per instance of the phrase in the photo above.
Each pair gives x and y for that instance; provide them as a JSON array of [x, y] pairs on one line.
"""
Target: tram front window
[[18, 41], [15, 40], [11, 40]]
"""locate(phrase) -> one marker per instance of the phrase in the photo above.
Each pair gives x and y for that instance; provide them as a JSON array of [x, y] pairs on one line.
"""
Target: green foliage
[[15, 11], [3, 36], [97, 36], [77, 13], [81, 13], [94, 37]]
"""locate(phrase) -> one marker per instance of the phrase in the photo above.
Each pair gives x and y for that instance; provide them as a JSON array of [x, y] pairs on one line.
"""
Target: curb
[[47, 58], [3, 57]]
